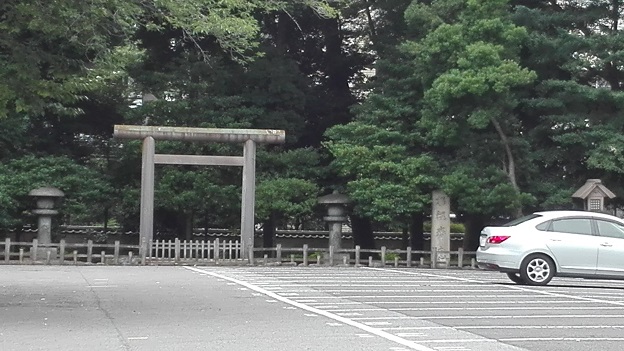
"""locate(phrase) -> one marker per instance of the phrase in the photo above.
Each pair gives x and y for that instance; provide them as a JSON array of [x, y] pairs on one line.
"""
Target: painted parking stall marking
[[412, 345], [311, 285], [569, 314]]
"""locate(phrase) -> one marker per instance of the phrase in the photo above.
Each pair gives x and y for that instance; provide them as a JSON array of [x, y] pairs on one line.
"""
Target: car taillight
[[497, 239]]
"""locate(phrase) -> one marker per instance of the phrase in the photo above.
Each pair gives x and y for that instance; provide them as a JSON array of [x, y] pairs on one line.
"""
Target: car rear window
[[521, 220]]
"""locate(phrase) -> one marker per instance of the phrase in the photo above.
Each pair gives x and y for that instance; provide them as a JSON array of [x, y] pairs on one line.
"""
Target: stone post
[[441, 228], [46, 198], [335, 216]]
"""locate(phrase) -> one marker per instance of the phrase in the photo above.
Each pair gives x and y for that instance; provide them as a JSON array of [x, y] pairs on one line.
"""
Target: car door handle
[[555, 239], [606, 244]]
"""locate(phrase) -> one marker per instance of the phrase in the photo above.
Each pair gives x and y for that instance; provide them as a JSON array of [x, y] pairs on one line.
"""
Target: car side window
[[610, 229], [543, 226], [572, 226]]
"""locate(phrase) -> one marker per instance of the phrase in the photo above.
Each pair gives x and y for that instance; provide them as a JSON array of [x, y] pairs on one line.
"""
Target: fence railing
[[199, 252], [157, 252], [363, 257]]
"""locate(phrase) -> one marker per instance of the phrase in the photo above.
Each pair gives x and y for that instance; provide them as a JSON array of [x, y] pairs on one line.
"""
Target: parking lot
[[301, 308]]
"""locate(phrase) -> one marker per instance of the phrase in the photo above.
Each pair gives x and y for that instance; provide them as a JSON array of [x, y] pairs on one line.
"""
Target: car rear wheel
[[516, 278], [537, 269]]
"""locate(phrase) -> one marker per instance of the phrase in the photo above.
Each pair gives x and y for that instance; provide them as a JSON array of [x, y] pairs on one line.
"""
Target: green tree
[[84, 189], [576, 50], [56, 52]]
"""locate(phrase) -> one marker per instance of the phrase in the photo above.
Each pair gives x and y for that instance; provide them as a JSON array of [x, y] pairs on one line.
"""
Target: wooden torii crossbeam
[[249, 137]]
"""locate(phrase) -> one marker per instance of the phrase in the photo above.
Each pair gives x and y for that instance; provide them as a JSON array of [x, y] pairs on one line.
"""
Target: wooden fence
[[363, 257], [198, 252]]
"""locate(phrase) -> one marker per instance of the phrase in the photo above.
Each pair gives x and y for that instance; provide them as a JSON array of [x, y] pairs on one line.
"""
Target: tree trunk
[[511, 163], [106, 212], [371, 24], [405, 237], [474, 224], [362, 232], [268, 231], [188, 226], [417, 237]]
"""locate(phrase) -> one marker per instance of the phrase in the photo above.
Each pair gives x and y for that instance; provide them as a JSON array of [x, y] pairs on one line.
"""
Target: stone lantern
[[336, 216], [46, 200], [593, 194]]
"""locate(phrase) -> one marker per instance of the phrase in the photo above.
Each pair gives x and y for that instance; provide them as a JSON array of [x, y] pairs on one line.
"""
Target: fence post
[[331, 255], [116, 253], [383, 256], [150, 248], [460, 257], [370, 261], [62, 252], [7, 250], [396, 261], [251, 256], [156, 255], [48, 256], [278, 250], [130, 257], [143, 251], [357, 255], [473, 263], [75, 257], [177, 250], [216, 249], [230, 250], [103, 257], [35, 246], [305, 255], [434, 257], [89, 250], [21, 255], [409, 256]]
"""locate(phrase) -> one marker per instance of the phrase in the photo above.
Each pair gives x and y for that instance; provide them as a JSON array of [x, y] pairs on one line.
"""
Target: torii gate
[[248, 161]]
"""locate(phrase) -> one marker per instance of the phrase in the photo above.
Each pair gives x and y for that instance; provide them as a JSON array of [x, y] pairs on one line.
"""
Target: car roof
[[578, 213]]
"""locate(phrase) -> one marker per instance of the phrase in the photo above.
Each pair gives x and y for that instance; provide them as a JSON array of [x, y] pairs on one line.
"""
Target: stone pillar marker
[[441, 226], [46, 198], [335, 216]]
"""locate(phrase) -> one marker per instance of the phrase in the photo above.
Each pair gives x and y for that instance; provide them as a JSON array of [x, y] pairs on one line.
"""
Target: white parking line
[[541, 327], [472, 302], [512, 287], [419, 296], [552, 316], [559, 339], [506, 308], [391, 337]]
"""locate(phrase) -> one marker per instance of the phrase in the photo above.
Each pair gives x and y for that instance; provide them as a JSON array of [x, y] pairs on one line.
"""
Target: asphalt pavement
[[301, 308]]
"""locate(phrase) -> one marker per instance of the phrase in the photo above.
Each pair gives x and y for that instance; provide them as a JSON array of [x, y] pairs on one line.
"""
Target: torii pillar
[[250, 137]]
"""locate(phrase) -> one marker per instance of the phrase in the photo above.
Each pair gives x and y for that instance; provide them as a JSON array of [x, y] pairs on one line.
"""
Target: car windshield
[[521, 220]]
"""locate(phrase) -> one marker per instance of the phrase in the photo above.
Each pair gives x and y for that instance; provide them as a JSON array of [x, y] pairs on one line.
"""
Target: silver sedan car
[[535, 248]]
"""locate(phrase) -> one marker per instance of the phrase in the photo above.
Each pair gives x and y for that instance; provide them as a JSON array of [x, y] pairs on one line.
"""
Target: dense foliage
[[507, 105]]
